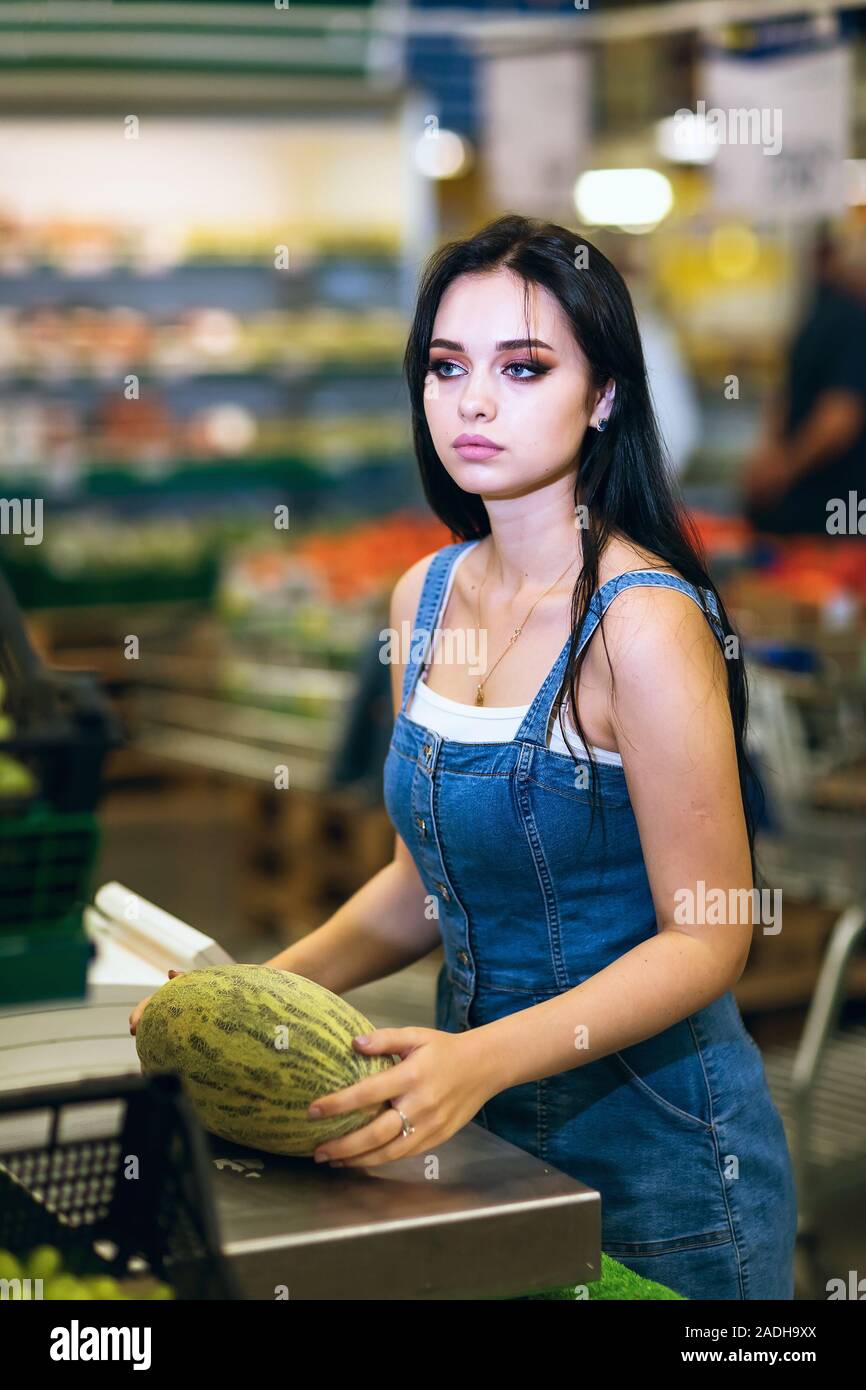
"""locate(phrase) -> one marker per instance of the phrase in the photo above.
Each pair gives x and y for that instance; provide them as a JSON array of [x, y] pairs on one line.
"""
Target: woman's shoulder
[[623, 556], [649, 616], [406, 594]]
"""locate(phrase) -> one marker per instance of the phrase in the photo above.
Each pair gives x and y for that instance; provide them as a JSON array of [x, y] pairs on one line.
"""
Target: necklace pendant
[[479, 695]]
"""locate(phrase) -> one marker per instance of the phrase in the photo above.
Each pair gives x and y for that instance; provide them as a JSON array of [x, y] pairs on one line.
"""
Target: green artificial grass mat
[[616, 1282]]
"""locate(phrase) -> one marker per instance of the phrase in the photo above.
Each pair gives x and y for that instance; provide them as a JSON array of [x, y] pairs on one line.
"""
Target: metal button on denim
[[421, 824], [544, 895]]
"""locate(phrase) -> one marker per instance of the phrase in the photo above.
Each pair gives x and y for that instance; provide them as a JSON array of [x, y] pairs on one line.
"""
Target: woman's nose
[[475, 402]]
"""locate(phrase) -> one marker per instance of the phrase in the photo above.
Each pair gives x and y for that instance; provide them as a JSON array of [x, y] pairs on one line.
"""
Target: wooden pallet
[[305, 853]]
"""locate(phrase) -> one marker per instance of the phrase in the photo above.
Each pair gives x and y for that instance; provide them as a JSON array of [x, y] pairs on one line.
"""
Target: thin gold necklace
[[479, 689]]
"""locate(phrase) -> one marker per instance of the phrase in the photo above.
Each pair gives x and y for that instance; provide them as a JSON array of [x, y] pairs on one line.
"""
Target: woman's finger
[[378, 1132], [137, 1012], [371, 1091], [398, 1040], [401, 1147], [140, 1008]]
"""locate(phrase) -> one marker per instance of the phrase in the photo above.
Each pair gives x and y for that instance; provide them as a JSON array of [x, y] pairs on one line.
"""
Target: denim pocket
[[669, 1107]]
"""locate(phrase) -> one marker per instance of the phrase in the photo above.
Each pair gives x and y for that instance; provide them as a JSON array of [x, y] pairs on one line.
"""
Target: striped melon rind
[[219, 1029]]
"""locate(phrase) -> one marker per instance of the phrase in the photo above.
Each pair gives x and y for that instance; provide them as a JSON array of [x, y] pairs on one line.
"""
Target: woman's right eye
[[436, 368]]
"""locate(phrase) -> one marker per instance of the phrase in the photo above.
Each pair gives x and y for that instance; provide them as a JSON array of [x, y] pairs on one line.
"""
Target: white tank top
[[485, 723]]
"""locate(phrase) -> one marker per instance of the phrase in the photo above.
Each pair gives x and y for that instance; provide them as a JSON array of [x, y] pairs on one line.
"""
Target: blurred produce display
[[801, 584], [53, 343], [722, 536], [76, 246], [355, 563], [45, 1263], [17, 782], [124, 363], [312, 605], [98, 558]]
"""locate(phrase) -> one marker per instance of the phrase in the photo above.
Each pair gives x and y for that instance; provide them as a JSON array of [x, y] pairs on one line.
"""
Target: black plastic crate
[[64, 724], [70, 1190]]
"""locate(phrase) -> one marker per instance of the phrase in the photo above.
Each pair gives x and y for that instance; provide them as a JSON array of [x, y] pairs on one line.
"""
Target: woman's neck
[[524, 567]]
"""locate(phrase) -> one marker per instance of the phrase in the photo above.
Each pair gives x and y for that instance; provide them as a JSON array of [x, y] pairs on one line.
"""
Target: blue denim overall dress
[[678, 1133]]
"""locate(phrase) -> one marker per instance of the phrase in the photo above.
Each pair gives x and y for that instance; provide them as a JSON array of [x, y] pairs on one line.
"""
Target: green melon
[[254, 1047]]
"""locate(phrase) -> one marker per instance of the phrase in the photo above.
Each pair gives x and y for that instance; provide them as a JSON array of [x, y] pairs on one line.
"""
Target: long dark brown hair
[[624, 479]]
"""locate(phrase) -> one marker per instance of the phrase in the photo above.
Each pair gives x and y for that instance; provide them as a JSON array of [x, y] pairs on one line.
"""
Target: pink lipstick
[[476, 446]]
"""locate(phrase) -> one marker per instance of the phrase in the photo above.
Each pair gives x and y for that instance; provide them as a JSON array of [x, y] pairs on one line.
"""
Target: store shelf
[[180, 476], [185, 38], [236, 759], [278, 372], [225, 718]]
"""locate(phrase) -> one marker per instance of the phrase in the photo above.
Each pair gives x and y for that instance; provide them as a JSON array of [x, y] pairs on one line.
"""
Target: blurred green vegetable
[[45, 1262]]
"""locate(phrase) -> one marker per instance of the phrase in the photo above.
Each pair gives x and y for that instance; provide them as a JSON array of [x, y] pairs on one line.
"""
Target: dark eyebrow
[[508, 345]]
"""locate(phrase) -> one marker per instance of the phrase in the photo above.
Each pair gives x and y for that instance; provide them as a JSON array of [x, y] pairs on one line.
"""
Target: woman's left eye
[[530, 367]]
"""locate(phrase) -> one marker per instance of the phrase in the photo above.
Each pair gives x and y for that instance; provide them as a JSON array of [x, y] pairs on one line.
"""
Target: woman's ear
[[603, 406]]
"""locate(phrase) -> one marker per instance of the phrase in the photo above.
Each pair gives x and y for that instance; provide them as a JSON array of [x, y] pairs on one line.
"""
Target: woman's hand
[[140, 1008], [438, 1085]]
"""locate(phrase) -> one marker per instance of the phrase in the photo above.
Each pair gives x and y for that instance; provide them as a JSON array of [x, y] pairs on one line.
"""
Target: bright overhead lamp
[[630, 198], [442, 154], [687, 138]]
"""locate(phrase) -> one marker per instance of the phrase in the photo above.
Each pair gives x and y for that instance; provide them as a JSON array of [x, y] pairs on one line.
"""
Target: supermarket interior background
[[212, 222]]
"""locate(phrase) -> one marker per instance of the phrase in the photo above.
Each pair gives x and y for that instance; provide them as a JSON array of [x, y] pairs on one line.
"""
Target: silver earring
[[602, 424]]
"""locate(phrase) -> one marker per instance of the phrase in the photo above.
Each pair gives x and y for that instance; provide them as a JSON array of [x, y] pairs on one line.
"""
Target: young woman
[[570, 793]]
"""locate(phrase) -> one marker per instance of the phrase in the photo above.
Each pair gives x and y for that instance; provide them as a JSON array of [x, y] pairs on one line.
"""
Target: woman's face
[[482, 382]]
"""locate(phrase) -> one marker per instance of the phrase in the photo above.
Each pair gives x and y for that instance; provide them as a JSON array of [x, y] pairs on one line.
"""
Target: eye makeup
[[536, 368]]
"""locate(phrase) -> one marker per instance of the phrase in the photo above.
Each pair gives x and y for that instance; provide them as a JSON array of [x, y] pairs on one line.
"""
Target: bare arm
[[383, 926], [830, 427], [378, 931], [676, 741], [772, 425]]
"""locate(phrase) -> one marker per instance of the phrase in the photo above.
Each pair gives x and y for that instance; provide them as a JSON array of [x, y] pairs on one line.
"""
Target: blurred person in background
[[813, 445]]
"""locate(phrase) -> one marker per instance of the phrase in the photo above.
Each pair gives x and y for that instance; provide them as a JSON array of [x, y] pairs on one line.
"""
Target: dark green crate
[[44, 963], [46, 863]]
